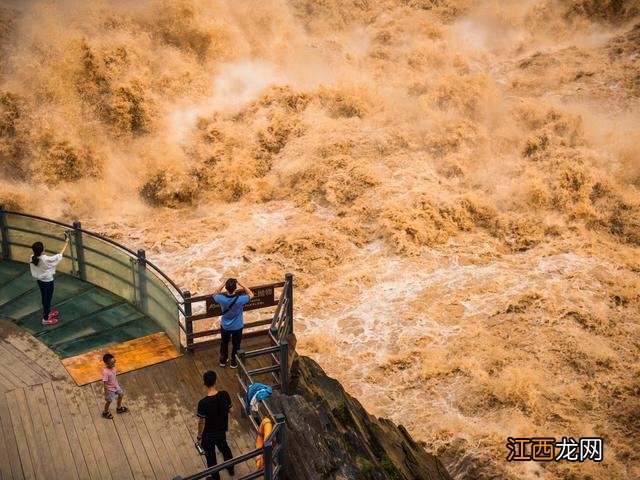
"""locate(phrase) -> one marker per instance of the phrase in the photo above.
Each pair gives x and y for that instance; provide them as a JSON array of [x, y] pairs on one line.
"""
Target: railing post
[[289, 285], [241, 367], [4, 232], [187, 313], [142, 283], [267, 455], [284, 366], [280, 420], [241, 358], [77, 240]]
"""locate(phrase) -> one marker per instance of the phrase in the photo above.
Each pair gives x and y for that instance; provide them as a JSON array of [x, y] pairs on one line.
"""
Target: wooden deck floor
[[50, 428]]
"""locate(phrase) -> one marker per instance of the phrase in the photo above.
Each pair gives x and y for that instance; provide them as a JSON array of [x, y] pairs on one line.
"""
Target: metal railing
[[271, 451], [98, 260], [264, 297], [281, 325], [128, 274]]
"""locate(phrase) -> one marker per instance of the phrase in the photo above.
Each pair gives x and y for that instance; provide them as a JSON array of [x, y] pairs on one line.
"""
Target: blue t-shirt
[[232, 320]]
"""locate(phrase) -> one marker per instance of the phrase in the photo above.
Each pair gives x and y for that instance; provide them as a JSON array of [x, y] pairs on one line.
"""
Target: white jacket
[[46, 268]]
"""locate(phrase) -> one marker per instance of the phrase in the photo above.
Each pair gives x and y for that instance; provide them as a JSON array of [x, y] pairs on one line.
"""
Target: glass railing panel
[[161, 305], [24, 232], [105, 265], [109, 268]]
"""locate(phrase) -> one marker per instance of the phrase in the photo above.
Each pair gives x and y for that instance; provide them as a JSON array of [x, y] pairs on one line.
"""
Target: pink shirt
[[109, 378]]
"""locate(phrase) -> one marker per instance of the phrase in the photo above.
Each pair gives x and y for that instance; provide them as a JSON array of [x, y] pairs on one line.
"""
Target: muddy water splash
[[454, 184]]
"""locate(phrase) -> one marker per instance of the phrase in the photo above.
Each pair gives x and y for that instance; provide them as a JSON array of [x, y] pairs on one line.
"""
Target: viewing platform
[[113, 299], [90, 316], [52, 429]]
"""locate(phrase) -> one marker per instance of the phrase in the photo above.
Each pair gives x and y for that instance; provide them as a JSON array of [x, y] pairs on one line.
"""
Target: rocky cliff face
[[329, 435]]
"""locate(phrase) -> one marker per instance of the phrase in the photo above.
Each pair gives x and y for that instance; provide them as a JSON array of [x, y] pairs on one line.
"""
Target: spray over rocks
[[454, 183]]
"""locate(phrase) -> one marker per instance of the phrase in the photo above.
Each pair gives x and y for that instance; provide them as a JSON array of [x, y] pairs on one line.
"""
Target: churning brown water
[[453, 182]]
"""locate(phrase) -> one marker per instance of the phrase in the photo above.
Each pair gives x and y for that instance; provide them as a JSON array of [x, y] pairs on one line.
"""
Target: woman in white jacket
[[43, 268]]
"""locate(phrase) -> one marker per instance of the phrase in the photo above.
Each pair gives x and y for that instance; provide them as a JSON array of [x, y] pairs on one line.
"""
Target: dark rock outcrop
[[329, 435]]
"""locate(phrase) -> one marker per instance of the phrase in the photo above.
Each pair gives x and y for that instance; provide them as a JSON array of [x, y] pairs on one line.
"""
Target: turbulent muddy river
[[454, 184]]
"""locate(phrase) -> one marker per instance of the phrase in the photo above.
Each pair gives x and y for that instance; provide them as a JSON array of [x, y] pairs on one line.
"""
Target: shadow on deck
[[51, 428]]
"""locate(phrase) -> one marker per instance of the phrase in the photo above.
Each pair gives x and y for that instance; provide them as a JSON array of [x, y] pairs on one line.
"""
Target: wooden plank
[[89, 443], [189, 418], [5, 463], [9, 425], [217, 331], [23, 429], [192, 378], [155, 448], [19, 366], [11, 377], [28, 361], [60, 437], [89, 418], [148, 443], [75, 447], [43, 452], [138, 445], [8, 382], [189, 376], [35, 351], [130, 355], [216, 341], [114, 456], [159, 426], [54, 435], [169, 385], [121, 432], [200, 298]]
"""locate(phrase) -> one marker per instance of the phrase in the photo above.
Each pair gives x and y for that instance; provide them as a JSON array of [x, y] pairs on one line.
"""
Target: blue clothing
[[256, 392], [232, 320]]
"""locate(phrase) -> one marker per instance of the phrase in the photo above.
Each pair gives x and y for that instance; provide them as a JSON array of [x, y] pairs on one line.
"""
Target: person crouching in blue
[[231, 322]]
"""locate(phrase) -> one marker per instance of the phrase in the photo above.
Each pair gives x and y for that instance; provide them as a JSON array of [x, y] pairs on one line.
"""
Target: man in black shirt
[[213, 413]]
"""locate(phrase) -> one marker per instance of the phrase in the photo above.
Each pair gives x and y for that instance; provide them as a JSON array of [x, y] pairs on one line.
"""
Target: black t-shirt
[[215, 410]]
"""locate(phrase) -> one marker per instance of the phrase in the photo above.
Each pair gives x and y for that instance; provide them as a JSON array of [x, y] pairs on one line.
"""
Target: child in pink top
[[112, 388]]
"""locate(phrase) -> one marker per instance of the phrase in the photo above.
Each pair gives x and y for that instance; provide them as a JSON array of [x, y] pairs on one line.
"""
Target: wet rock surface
[[329, 435]]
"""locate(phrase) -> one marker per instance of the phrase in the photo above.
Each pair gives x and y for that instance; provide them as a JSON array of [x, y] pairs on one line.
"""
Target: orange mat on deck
[[130, 355]]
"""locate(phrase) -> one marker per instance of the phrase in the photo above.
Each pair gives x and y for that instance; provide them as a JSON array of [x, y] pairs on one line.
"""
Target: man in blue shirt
[[231, 321]]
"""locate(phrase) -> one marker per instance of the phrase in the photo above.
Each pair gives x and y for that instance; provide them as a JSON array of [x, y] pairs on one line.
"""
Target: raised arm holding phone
[[231, 302], [43, 269]]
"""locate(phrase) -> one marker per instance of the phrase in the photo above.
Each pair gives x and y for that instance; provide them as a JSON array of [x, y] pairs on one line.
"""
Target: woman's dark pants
[[236, 337], [209, 443], [46, 291]]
